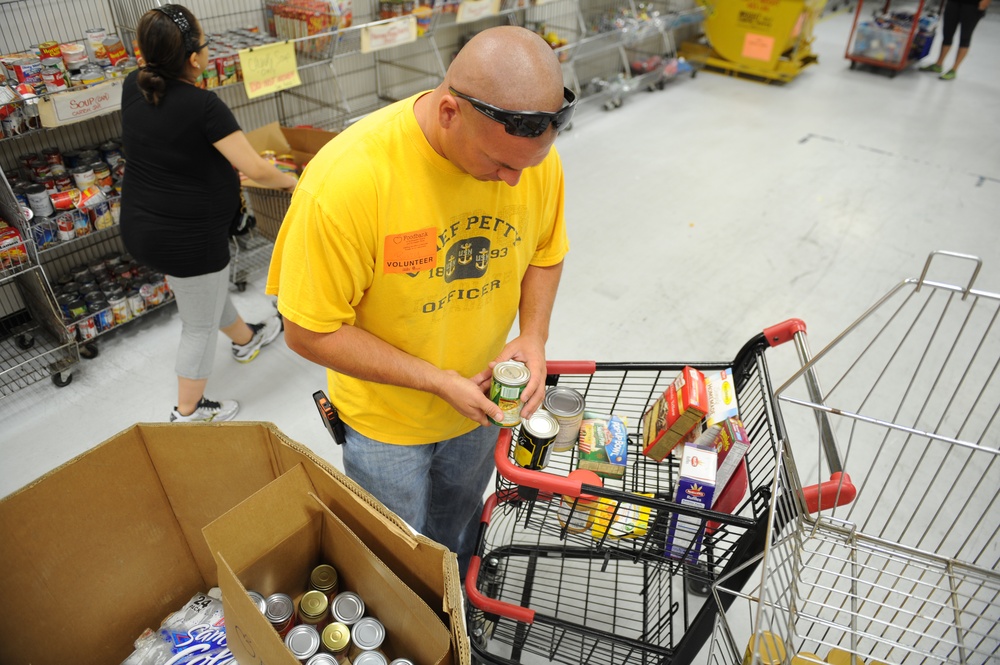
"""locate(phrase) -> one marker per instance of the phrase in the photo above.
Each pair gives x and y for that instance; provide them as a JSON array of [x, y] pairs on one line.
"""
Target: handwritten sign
[[385, 35], [473, 10], [75, 105], [269, 68], [758, 47]]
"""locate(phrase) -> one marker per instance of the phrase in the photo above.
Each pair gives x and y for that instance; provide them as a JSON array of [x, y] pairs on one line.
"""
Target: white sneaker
[[208, 411], [263, 334]]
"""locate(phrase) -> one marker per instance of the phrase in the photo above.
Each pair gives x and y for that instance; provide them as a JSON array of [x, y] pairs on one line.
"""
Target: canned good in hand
[[509, 379]]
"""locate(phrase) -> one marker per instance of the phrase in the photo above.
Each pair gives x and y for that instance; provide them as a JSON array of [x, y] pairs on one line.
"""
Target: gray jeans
[[204, 305]]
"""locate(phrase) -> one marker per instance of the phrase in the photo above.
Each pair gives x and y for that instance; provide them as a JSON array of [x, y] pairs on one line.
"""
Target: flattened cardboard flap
[[270, 543]]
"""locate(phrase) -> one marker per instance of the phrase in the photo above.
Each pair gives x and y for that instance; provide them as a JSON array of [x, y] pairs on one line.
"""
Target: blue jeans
[[436, 487]]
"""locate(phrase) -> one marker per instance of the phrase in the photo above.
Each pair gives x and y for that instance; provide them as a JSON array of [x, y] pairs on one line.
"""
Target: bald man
[[413, 240]]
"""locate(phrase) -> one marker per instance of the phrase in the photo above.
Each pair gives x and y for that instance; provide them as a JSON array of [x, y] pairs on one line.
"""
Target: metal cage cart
[[539, 585], [892, 39], [908, 570]]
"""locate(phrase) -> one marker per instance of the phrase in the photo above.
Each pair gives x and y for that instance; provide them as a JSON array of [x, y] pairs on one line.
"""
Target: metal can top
[[302, 641], [541, 425], [336, 637], [280, 608], [511, 373], [368, 634], [323, 578], [322, 659], [258, 600], [566, 402], [402, 661], [313, 605], [347, 608], [370, 658]]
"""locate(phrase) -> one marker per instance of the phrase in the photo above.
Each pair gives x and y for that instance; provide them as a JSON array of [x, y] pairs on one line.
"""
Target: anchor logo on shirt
[[467, 260]]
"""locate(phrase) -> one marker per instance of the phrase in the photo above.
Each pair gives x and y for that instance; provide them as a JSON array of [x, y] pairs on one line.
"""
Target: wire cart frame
[[906, 569], [535, 587]]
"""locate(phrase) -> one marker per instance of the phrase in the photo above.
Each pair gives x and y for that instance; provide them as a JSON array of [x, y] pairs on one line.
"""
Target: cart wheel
[[25, 341], [62, 379], [854, 65], [661, 84], [892, 74], [241, 286], [697, 586], [89, 351], [619, 102], [609, 105]]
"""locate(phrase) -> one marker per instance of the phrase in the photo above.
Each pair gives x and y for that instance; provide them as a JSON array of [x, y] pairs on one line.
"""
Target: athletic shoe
[[263, 334], [948, 75], [208, 411], [936, 68]]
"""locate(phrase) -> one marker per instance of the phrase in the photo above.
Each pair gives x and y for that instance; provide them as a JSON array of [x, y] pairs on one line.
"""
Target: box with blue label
[[603, 445], [695, 488]]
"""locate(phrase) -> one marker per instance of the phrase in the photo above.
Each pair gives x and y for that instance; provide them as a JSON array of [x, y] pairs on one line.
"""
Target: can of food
[[370, 658], [83, 176], [323, 659], [347, 608], [324, 579], [509, 379], [258, 600], [52, 155], [102, 176], [119, 307], [302, 641], [64, 183], [90, 74], [313, 606], [534, 441], [44, 232], [104, 317], [78, 307], [137, 306], [402, 661], [66, 200], [53, 75], [50, 49], [280, 612], [66, 226], [101, 216], [86, 328], [366, 635], [767, 647], [336, 639], [38, 200], [112, 152], [95, 39], [566, 406], [81, 223]]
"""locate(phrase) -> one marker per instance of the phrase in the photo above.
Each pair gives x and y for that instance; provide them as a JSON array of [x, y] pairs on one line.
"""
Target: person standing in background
[[964, 13], [180, 194], [414, 239]]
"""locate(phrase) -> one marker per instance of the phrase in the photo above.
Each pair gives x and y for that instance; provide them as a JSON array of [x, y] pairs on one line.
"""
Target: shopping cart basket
[[907, 572], [537, 585]]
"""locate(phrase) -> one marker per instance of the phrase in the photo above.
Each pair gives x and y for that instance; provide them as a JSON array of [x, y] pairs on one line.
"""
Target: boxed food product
[[731, 444], [695, 488], [116, 536], [620, 520], [721, 391], [603, 445], [674, 414]]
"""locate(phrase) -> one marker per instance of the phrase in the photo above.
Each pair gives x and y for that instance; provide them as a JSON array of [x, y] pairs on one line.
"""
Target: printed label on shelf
[[473, 10], [269, 68], [386, 35], [75, 105]]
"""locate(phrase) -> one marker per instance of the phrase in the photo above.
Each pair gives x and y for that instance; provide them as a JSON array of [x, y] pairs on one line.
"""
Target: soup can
[[509, 379], [44, 232], [534, 441], [324, 579], [370, 658], [66, 226], [280, 612], [83, 176], [323, 659], [258, 600], [336, 639], [38, 200], [366, 635], [347, 608], [566, 406], [302, 641], [313, 608]]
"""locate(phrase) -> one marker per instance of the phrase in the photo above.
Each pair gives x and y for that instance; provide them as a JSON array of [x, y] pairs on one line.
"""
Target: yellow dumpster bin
[[768, 39]]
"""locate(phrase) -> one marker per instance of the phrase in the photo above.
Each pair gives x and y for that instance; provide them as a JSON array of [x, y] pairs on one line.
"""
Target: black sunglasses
[[527, 124], [207, 42]]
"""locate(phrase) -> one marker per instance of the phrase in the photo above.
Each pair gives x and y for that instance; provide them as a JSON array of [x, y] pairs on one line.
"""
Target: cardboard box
[[270, 205], [270, 543], [674, 414], [695, 488], [721, 392], [603, 445], [731, 445], [111, 542]]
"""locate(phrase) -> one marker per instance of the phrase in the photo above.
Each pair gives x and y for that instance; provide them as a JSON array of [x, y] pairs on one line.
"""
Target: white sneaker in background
[[263, 334], [208, 411]]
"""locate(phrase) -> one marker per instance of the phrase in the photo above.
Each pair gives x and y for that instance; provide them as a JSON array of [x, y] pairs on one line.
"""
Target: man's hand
[[468, 396], [531, 352]]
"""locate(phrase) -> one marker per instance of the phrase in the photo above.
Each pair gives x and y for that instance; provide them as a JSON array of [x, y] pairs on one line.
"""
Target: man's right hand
[[468, 397]]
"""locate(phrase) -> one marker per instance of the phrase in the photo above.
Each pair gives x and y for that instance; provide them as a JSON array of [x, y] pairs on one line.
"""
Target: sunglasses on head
[[527, 124]]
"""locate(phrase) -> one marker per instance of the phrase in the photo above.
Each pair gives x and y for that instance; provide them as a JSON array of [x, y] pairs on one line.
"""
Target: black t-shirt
[[179, 193]]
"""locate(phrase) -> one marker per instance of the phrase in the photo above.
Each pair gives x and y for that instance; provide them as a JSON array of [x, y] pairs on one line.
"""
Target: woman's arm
[[237, 149]]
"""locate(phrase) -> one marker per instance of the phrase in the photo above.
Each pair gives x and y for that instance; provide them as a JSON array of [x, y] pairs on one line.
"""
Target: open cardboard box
[[271, 542], [111, 542], [299, 142]]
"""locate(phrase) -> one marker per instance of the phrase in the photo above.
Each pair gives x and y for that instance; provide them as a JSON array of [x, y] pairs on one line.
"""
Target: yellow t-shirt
[[386, 235]]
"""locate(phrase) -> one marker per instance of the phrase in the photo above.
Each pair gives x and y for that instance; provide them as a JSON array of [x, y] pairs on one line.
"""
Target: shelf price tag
[[473, 10], [386, 35], [269, 68]]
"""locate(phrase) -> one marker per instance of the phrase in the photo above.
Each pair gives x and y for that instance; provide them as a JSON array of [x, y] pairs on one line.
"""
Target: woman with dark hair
[[957, 12], [181, 193]]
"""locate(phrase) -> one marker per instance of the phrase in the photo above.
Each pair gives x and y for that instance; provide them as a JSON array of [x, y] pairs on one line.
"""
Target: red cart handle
[[540, 480], [485, 603], [838, 491], [784, 331], [570, 367]]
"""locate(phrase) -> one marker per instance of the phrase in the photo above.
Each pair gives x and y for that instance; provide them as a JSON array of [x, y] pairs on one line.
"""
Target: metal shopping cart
[[543, 589], [907, 571]]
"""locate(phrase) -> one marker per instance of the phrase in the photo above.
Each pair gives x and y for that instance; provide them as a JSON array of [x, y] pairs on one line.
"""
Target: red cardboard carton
[[674, 414]]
